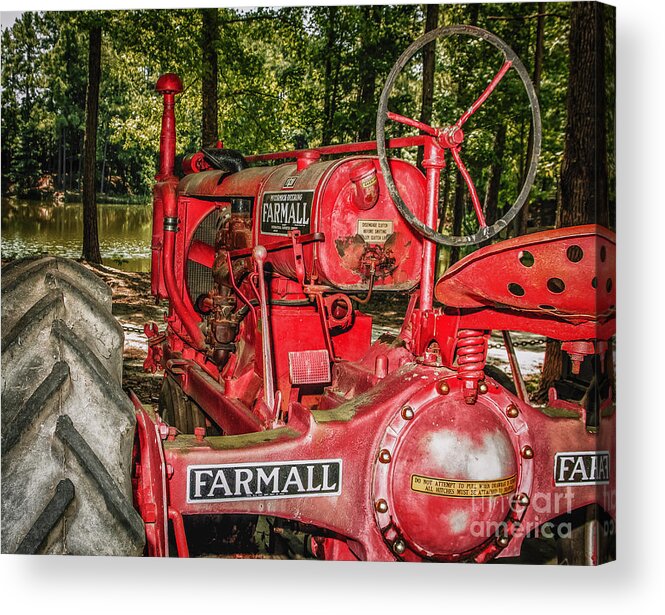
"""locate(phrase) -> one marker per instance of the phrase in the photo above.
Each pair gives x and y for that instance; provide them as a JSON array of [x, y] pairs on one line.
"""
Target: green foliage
[[285, 74]]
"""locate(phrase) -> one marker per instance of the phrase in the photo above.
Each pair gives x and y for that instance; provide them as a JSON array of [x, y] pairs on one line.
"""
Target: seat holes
[[515, 289], [547, 307], [575, 254], [556, 285], [594, 282], [603, 254], [608, 285], [526, 258]]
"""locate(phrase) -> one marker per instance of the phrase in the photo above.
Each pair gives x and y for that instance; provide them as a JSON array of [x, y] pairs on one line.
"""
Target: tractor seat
[[565, 273]]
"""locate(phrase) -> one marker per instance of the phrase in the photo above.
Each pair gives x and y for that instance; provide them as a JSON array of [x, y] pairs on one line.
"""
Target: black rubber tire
[[67, 426]]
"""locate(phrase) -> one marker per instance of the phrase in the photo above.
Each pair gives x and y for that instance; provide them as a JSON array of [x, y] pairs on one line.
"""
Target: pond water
[[35, 227]]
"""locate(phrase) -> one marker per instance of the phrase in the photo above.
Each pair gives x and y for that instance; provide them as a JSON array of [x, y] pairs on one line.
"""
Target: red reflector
[[309, 367]]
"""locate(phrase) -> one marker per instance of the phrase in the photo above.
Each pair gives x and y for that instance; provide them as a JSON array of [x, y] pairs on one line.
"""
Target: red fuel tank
[[346, 200]]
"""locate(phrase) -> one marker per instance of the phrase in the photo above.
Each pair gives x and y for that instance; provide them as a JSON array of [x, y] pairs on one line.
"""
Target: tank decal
[[282, 212]]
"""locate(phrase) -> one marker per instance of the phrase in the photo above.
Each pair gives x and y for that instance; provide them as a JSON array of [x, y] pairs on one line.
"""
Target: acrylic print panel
[[364, 311]]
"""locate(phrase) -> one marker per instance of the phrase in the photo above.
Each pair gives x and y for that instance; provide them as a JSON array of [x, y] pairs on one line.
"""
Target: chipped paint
[[459, 456], [458, 521]]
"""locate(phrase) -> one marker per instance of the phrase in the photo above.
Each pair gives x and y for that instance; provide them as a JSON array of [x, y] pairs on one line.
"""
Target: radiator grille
[[309, 367], [199, 277]]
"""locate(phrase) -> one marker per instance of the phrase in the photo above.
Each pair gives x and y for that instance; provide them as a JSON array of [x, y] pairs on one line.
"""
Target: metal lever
[[260, 254]]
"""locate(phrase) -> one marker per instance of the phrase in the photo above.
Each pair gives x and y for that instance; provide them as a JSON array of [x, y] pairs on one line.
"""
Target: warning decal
[[375, 231], [463, 488]]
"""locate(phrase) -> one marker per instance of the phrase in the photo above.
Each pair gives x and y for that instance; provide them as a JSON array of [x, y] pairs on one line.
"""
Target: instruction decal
[[463, 488], [375, 231]]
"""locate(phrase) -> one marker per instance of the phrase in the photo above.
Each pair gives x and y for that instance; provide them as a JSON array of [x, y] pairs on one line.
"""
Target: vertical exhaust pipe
[[165, 213], [168, 86]]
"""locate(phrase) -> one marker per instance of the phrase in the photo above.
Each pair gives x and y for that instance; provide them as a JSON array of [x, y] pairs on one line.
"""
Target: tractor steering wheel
[[451, 137]]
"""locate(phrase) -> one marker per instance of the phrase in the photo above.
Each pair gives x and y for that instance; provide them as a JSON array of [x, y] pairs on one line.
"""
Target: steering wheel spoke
[[451, 137], [485, 95], [396, 117], [477, 206]]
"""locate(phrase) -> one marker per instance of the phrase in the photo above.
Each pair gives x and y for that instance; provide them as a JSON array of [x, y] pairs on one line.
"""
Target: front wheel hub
[[451, 488]]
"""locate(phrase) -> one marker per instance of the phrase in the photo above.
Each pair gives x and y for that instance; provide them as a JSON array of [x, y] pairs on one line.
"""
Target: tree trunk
[[79, 175], [372, 17], [523, 215], [460, 184], [458, 214], [443, 202], [442, 255], [209, 75], [583, 183], [70, 171], [429, 65], [59, 177], [491, 205], [329, 85], [582, 195], [91, 251], [103, 173], [552, 370]]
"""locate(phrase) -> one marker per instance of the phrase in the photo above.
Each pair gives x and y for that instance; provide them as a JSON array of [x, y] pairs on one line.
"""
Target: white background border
[[635, 582]]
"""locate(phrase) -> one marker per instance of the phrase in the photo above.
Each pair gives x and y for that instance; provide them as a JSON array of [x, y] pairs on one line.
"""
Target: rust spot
[[351, 250], [363, 258]]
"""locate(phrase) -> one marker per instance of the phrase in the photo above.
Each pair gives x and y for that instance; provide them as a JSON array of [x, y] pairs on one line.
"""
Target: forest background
[[273, 78]]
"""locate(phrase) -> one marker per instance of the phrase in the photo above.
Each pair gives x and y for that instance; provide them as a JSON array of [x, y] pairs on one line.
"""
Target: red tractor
[[279, 412]]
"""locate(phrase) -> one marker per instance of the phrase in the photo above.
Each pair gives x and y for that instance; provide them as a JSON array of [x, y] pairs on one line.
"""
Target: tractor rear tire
[[67, 426]]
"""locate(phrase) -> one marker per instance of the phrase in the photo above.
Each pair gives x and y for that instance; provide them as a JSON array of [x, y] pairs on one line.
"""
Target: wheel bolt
[[381, 506], [384, 456], [442, 387], [399, 546]]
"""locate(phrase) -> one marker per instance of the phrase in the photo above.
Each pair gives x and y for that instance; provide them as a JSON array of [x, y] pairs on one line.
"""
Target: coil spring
[[471, 352]]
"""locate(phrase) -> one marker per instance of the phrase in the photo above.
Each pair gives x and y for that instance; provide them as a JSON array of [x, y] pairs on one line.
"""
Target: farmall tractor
[[277, 410]]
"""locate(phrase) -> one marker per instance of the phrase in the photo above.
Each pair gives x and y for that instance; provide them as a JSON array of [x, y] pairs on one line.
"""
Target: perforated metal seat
[[565, 273]]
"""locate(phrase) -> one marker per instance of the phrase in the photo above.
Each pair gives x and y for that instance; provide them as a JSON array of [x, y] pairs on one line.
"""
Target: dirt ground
[[133, 306]]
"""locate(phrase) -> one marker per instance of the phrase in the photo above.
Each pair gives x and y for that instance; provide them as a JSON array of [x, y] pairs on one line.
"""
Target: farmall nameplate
[[249, 481], [578, 468], [286, 211]]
